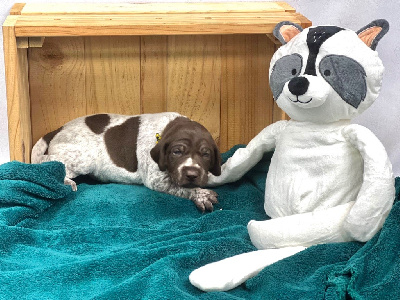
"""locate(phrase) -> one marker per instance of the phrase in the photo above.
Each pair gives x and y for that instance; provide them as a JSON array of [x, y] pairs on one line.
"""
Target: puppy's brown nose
[[192, 174]]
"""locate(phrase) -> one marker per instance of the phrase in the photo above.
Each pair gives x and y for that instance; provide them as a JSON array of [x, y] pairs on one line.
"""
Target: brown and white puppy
[[166, 152]]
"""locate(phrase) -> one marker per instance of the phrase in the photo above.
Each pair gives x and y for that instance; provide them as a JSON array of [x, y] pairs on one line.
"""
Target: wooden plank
[[279, 114], [153, 81], [17, 8], [220, 81], [18, 102], [286, 6], [57, 83], [246, 99], [22, 42], [36, 42], [25, 42], [147, 8], [274, 39], [150, 24], [112, 81], [304, 22], [193, 79]]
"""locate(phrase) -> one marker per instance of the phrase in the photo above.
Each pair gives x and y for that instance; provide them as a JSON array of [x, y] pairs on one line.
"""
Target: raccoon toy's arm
[[377, 192], [246, 158]]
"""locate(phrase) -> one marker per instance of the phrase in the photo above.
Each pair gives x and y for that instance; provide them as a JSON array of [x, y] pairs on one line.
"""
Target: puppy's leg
[[161, 182], [69, 173], [203, 198], [68, 181]]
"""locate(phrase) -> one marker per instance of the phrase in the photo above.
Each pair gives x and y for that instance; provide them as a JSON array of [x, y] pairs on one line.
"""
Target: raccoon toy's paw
[[68, 181]]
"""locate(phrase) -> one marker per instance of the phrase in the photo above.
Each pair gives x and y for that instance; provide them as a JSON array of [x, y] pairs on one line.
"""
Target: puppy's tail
[[39, 151]]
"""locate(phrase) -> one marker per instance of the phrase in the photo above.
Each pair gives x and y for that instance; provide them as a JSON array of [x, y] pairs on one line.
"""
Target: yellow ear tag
[[158, 137]]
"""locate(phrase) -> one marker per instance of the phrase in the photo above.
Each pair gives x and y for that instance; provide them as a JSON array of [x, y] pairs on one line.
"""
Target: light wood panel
[[208, 61], [18, 102], [246, 100], [219, 81], [57, 83], [112, 81], [193, 79], [153, 83], [150, 24], [150, 8], [16, 9], [76, 76]]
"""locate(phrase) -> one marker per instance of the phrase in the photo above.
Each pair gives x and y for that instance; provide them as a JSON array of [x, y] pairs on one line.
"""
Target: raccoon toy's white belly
[[313, 168]]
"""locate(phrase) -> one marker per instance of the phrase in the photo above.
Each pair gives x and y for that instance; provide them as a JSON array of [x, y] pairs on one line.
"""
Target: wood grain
[[18, 102], [149, 8], [208, 61], [246, 102], [17, 8], [57, 83], [112, 81], [151, 24], [153, 74], [193, 79]]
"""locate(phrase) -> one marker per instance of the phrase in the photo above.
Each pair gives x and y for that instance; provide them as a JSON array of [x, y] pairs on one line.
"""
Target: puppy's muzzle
[[192, 177]]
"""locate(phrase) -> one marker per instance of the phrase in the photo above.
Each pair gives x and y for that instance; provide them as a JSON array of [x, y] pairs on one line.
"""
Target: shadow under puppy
[[166, 152]]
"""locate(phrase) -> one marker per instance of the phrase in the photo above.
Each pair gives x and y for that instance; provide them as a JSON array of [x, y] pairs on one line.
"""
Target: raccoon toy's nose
[[298, 86]]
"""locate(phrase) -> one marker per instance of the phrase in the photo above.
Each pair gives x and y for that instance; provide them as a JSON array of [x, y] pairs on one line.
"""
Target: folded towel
[[27, 190], [113, 241]]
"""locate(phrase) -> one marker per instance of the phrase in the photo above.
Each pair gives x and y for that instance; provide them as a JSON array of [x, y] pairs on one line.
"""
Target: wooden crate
[[208, 61]]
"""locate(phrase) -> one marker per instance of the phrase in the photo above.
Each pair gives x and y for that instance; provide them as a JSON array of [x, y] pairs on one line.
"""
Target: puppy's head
[[187, 152]]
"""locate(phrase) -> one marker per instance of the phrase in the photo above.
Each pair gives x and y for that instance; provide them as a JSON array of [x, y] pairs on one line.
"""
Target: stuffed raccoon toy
[[329, 180]]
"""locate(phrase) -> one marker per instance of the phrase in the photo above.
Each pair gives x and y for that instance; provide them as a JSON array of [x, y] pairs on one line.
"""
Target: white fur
[[328, 181], [88, 155], [189, 163]]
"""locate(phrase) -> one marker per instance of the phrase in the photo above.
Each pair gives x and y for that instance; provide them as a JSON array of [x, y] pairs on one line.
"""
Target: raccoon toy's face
[[325, 74]]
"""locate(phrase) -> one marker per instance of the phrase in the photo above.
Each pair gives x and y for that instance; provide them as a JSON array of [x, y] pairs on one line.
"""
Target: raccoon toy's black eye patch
[[285, 68], [346, 76]]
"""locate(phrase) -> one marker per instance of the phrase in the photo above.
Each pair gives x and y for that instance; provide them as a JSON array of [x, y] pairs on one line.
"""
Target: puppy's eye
[[294, 72], [177, 152], [205, 152]]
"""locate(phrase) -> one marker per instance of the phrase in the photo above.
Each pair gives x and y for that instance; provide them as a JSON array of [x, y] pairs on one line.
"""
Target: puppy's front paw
[[204, 199]]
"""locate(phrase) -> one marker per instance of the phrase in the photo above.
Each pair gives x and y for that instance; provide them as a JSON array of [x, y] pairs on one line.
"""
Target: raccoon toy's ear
[[285, 31], [373, 32]]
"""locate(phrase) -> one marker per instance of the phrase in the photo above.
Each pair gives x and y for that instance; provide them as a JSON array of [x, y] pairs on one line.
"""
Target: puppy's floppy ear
[[216, 167], [158, 154]]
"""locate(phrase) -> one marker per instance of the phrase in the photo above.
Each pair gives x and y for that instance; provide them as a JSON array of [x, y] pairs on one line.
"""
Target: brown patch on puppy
[[188, 152], [97, 123], [121, 144], [48, 137]]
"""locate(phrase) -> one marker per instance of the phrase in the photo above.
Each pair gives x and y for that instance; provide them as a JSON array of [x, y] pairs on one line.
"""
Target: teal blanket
[[112, 241]]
